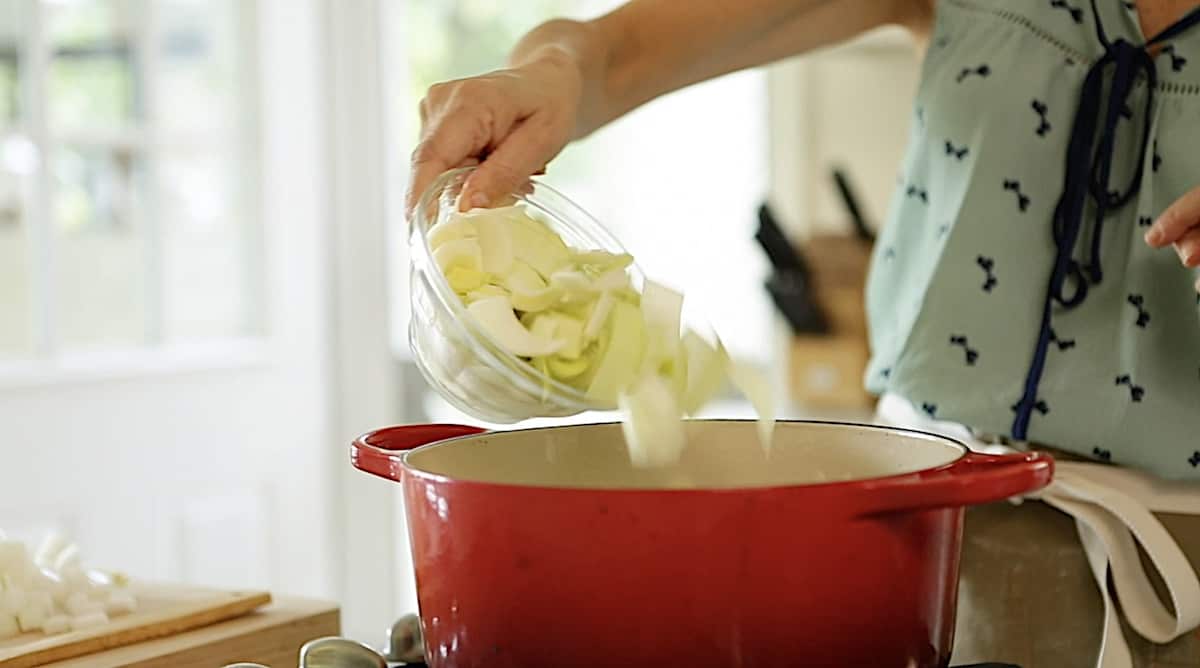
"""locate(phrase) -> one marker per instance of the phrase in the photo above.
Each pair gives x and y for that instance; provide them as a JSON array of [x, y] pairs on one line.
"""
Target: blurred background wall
[[203, 273]]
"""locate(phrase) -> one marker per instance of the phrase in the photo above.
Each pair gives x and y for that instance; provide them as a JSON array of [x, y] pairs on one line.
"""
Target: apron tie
[[1114, 511]]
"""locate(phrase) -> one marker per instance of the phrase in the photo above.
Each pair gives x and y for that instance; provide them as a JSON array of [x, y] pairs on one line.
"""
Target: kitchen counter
[[271, 636]]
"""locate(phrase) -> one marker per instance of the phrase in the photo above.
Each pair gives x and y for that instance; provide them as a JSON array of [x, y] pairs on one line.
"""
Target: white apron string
[[1111, 525], [1112, 510]]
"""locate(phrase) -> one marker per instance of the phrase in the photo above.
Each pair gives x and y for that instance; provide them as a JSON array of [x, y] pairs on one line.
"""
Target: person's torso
[[960, 280]]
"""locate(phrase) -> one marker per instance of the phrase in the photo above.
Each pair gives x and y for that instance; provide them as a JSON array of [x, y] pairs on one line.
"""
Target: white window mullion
[[195, 185], [396, 101], [258, 316], [146, 29], [40, 221]]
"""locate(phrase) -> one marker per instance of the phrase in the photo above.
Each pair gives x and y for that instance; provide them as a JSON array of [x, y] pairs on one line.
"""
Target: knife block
[[826, 371]]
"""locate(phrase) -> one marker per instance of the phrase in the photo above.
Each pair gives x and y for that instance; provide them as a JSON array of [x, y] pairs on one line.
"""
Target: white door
[[165, 353]]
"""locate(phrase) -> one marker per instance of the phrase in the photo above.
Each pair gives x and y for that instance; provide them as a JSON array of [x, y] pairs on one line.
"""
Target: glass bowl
[[455, 355]]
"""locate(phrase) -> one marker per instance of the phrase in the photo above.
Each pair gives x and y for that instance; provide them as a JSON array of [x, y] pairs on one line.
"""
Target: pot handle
[[973, 479], [378, 452]]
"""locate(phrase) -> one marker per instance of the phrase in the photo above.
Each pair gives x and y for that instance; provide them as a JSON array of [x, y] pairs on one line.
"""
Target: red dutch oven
[[544, 547]]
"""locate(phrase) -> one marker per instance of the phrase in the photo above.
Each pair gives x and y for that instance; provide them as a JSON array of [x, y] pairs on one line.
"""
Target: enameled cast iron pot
[[544, 547]]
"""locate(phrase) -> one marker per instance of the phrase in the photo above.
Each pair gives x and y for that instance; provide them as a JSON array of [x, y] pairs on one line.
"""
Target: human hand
[[1179, 226], [510, 122]]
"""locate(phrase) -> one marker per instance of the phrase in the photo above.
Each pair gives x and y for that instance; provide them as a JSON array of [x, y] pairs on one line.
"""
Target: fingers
[[1179, 227], [450, 141], [505, 122], [507, 168], [1188, 248], [460, 121], [1176, 221]]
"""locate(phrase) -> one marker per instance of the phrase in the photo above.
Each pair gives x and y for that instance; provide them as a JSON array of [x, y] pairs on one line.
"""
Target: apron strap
[[1111, 526], [1112, 514], [1114, 651]]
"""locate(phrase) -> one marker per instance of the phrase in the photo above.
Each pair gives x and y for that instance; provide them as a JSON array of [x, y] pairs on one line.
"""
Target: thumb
[[523, 153]]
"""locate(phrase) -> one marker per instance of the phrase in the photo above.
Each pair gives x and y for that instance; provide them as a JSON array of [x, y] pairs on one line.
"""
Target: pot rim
[[410, 469]]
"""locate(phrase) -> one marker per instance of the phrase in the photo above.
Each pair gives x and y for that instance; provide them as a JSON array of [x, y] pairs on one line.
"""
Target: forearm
[[581, 45], [647, 48]]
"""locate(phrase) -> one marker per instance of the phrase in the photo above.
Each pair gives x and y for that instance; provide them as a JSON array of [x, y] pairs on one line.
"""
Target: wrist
[[553, 62], [560, 42], [573, 58]]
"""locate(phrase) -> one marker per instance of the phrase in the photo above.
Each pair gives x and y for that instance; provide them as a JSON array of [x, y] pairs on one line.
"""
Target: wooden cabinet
[[825, 372], [848, 107]]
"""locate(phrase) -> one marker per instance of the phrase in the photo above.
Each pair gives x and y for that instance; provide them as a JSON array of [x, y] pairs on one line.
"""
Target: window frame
[[47, 362]]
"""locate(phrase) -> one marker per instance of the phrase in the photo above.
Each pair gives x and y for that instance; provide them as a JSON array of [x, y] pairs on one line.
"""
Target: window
[[678, 181], [126, 175]]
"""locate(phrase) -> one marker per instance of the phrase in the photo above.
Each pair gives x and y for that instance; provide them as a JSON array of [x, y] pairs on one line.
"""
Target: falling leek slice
[[653, 427], [622, 356], [663, 308], [661, 311], [757, 388], [705, 372]]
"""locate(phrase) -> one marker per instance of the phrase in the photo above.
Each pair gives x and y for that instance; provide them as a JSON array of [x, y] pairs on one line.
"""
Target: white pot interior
[[720, 454]]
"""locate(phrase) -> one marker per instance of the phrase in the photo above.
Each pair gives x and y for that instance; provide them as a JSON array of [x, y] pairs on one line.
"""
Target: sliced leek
[[576, 318]]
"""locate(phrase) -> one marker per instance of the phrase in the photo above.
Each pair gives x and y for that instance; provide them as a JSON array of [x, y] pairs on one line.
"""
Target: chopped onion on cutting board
[[56, 624], [89, 620], [31, 618], [50, 592]]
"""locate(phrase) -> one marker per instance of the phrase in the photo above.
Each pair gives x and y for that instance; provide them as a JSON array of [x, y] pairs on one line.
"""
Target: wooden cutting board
[[162, 610], [270, 636]]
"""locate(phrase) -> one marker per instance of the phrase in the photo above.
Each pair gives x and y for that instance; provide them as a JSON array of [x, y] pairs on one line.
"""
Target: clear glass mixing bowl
[[460, 360]]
